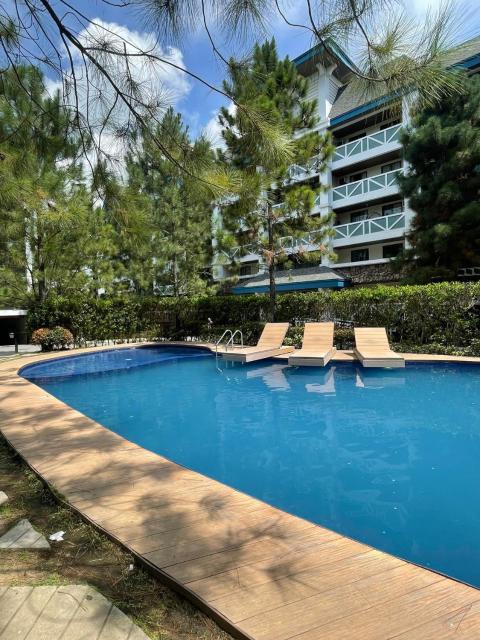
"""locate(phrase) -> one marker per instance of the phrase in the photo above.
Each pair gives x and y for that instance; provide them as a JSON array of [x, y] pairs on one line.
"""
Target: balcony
[[374, 188], [369, 147], [299, 172], [372, 230], [363, 232], [277, 208]]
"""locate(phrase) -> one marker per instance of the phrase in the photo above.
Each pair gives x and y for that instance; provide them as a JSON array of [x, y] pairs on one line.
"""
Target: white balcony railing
[[297, 172], [371, 187], [356, 230], [369, 143], [352, 233], [307, 242], [277, 209]]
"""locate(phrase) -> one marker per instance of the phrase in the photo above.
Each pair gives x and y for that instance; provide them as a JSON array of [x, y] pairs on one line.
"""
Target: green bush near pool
[[430, 318]]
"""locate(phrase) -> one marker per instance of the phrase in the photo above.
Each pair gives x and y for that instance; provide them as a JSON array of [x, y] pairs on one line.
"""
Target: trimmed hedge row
[[437, 314]]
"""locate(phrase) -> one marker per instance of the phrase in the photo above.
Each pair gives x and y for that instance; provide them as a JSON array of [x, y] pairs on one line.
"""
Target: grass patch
[[86, 556]]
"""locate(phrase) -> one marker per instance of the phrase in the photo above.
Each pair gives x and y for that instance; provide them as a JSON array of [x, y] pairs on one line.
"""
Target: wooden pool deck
[[261, 573]]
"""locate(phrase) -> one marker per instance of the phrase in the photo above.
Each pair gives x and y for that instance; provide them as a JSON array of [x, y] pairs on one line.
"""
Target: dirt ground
[[88, 557]]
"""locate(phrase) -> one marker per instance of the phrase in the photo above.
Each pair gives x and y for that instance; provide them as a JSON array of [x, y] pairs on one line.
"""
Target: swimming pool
[[387, 457]]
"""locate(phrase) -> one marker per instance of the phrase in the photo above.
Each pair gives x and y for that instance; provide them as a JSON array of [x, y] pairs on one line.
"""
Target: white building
[[371, 218]]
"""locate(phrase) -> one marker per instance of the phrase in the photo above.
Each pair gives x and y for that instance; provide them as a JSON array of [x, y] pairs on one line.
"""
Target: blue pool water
[[388, 457]]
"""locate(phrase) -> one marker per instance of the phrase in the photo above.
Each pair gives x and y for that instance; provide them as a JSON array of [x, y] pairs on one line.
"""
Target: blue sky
[[197, 103]]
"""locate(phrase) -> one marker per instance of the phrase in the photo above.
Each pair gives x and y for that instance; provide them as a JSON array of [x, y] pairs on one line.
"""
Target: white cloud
[[155, 76], [213, 130], [150, 75]]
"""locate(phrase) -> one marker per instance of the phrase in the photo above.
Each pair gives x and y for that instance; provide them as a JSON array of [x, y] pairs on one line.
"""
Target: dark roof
[[326, 53], [352, 96], [294, 278]]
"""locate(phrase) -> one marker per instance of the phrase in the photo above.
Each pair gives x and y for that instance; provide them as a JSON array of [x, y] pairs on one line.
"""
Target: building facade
[[371, 219]]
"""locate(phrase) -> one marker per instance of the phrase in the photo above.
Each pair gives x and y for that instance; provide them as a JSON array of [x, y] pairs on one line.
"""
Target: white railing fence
[[368, 143], [373, 225], [301, 171], [365, 186]]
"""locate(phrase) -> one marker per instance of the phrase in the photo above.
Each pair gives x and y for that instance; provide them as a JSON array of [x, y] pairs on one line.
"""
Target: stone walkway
[[73, 612], [23, 536]]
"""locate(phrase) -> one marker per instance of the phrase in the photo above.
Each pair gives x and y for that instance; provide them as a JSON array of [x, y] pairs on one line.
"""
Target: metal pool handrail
[[233, 338], [226, 346]]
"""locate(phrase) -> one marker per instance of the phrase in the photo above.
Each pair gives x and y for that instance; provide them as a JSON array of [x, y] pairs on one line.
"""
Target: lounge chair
[[373, 350], [317, 346], [268, 345]]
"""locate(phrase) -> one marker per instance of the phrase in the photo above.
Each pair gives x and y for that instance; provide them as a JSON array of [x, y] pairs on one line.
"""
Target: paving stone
[[3, 498], [23, 536], [73, 612]]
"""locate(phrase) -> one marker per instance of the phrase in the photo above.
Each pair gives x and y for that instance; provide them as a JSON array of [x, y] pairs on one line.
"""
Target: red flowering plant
[[50, 339]]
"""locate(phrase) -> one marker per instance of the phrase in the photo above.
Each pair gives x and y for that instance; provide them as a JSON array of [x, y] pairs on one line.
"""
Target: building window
[[389, 124], [249, 269], [357, 176], [392, 250], [358, 136], [359, 255], [392, 166], [358, 216], [392, 207]]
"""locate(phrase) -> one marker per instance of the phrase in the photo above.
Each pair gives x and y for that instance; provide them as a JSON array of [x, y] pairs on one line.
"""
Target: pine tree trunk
[[271, 264], [42, 282], [175, 276]]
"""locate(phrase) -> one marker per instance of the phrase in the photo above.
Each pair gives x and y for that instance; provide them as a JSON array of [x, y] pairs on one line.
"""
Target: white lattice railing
[[373, 225], [366, 186], [368, 143], [307, 242], [242, 251], [306, 170]]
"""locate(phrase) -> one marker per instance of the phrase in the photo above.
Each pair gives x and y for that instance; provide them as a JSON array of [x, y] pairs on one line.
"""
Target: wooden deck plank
[[363, 570], [261, 549], [275, 530], [153, 524], [399, 616], [462, 624], [261, 572], [330, 551], [227, 528]]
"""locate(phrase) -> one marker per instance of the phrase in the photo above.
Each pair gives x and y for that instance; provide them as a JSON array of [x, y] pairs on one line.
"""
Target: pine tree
[[443, 184], [274, 90], [48, 233], [176, 207]]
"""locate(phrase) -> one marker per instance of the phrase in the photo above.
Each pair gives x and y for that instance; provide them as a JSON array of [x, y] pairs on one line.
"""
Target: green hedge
[[436, 314]]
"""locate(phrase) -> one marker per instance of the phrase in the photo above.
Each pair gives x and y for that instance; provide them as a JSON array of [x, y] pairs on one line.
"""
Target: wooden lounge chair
[[373, 350], [268, 345], [317, 346]]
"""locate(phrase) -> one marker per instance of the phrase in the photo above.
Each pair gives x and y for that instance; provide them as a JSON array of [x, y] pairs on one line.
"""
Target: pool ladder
[[229, 343]]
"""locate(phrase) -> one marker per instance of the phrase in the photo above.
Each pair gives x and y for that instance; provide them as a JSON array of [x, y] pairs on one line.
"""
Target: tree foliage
[[101, 70], [270, 206], [62, 233], [48, 234], [177, 210], [443, 186]]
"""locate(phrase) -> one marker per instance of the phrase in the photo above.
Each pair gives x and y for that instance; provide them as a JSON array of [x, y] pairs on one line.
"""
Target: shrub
[[436, 314], [50, 339]]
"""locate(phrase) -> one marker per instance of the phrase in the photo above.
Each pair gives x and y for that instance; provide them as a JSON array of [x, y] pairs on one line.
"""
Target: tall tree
[[176, 206], [443, 185], [270, 206], [48, 232]]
